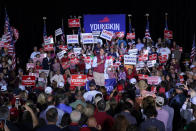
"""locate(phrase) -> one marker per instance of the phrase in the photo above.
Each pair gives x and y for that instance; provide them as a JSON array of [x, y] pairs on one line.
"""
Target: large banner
[[110, 22]]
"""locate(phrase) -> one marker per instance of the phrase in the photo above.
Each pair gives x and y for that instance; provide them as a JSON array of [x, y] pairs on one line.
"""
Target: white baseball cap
[[61, 84], [133, 81], [22, 87], [48, 90], [193, 100]]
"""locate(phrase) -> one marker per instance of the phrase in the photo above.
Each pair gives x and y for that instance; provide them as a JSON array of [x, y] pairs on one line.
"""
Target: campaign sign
[[78, 80], [77, 50], [96, 33], [120, 34], [48, 47], [30, 65], [130, 59], [168, 34], [63, 47], [142, 77], [73, 23], [65, 65], [28, 80], [58, 32], [87, 38], [153, 80], [153, 57], [48, 40], [110, 22], [72, 39], [133, 51], [61, 54], [106, 35], [130, 36]]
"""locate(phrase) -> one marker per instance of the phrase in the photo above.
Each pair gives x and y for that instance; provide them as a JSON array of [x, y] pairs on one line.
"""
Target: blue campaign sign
[[109, 22]]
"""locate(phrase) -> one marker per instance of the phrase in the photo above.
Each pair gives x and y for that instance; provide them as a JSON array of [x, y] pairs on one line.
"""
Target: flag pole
[[129, 15], [79, 17], [147, 15]]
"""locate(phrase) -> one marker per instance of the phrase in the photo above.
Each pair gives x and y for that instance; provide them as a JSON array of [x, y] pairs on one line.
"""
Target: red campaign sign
[[78, 80], [87, 59], [153, 57], [28, 80], [153, 80], [130, 36], [163, 59], [63, 47], [120, 34], [65, 65], [48, 47], [142, 77], [168, 34], [74, 61], [73, 23], [143, 57]]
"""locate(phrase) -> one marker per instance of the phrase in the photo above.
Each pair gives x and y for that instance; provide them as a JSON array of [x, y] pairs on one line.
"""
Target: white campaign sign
[[96, 33], [77, 50], [58, 32], [133, 52], [61, 54], [106, 35], [72, 39], [48, 40], [130, 59], [87, 38]]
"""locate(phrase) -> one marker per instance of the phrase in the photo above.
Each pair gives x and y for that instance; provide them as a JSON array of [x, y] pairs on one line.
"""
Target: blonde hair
[[41, 98]]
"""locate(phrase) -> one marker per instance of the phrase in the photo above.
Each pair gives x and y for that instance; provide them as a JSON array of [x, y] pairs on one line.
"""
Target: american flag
[[193, 51], [63, 34], [147, 32], [8, 35]]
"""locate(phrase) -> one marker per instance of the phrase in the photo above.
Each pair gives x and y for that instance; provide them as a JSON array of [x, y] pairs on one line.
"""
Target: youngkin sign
[[110, 22]]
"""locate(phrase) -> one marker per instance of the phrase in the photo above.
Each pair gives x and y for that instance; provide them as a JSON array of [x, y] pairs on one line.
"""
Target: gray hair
[[75, 116]]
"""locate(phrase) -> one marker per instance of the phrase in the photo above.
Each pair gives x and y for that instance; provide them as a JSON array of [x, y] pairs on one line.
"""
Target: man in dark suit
[[47, 61]]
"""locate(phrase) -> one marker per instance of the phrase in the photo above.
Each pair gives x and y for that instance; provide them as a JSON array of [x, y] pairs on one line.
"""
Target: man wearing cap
[[162, 114], [99, 67], [89, 96]]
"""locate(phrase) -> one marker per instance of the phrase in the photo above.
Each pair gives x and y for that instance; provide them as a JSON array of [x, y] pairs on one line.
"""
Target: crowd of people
[[132, 104]]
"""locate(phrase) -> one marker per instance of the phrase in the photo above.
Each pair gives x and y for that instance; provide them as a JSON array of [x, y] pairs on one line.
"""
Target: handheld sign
[[72, 39], [78, 80], [87, 38], [153, 80], [130, 59], [130, 36], [48, 47], [58, 32], [48, 40], [28, 80], [133, 51], [106, 35], [168, 34], [77, 50], [120, 34]]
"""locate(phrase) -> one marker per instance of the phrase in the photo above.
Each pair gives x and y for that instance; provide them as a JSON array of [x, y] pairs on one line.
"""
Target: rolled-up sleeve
[[94, 62]]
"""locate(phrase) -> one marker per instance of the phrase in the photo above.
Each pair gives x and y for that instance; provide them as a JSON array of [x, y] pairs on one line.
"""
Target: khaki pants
[[99, 78]]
